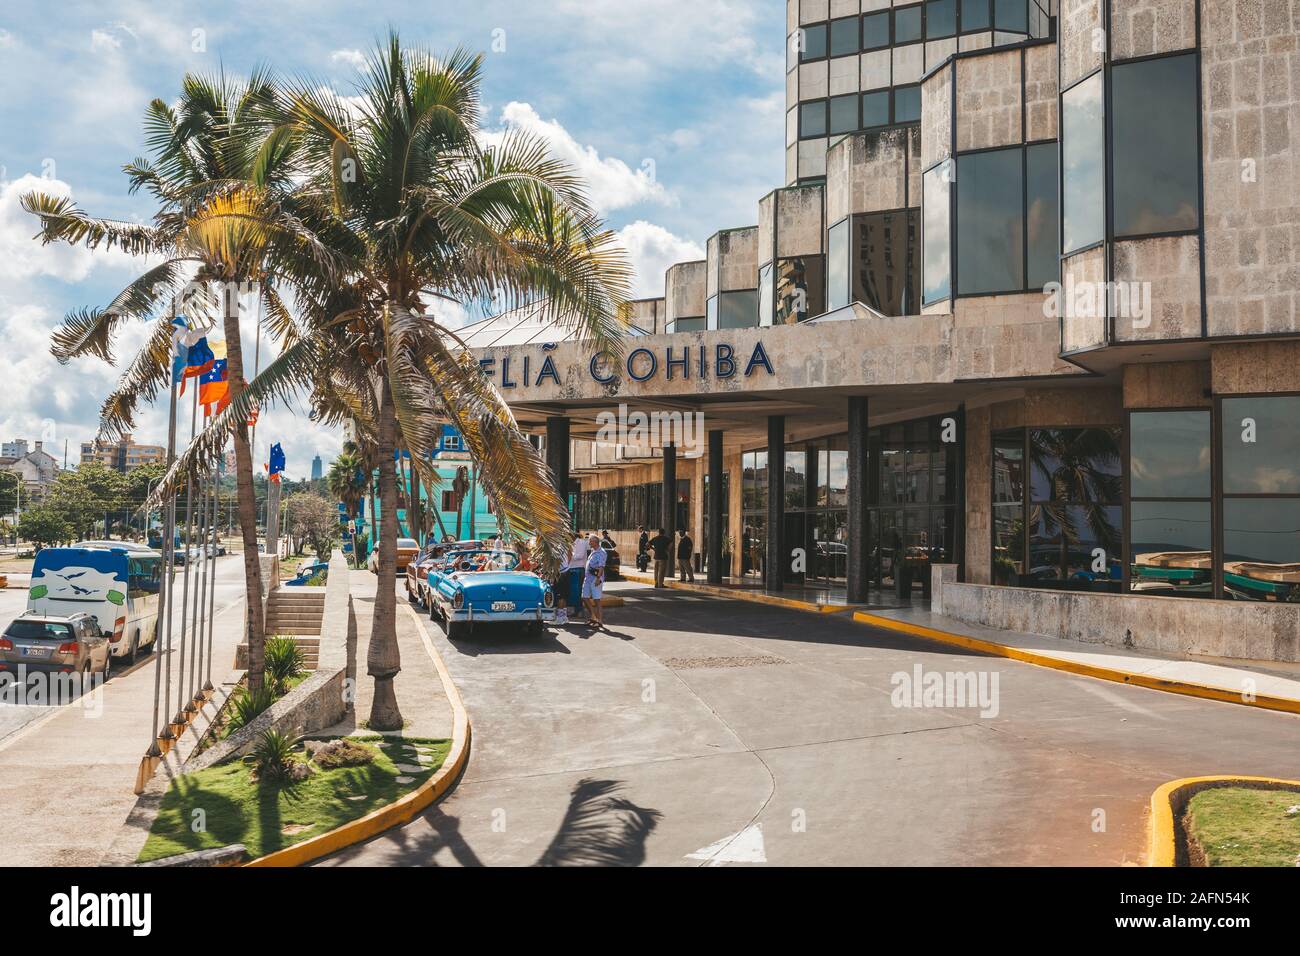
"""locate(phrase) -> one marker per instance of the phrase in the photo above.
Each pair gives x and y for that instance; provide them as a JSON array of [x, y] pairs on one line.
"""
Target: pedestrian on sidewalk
[[685, 551], [593, 582], [642, 548], [661, 545]]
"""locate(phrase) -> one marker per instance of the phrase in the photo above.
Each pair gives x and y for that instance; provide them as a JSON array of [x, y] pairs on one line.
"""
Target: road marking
[[745, 846]]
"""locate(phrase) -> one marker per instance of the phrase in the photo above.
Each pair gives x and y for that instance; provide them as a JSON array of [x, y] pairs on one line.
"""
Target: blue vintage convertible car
[[484, 587]]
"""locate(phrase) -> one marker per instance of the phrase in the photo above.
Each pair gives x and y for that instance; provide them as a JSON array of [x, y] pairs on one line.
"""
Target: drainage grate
[[747, 660]]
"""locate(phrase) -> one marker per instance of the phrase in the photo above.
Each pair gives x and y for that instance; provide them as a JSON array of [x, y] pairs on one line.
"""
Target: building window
[[875, 109], [765, 305], [813, 46], [907, 24], [733, 310], [875, 30], [837, 266], [844, 36], [690, 323], [1170, 518], [990, 222], [907, 104], [800, 289], [1155, 156], [812, 119], [974, 15], [1011, 16], [1075, 508], [1042, 225], [1083, 163], [1261, 498], [843, 114], [937, 272], [1009, 507], [883, 253], [940, 19]]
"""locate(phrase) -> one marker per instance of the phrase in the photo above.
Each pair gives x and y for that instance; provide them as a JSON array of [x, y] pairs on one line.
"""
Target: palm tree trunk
[[383, 658], [247, 501]]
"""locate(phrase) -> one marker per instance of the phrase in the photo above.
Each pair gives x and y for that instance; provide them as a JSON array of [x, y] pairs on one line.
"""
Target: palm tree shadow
[[600, 828]]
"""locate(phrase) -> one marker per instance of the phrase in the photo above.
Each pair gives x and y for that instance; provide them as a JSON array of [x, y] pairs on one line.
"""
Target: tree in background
[[45, 527], [9, 482], [313, 521]]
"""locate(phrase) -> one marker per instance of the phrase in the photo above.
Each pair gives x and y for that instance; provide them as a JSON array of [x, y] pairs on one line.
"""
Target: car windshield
[[38, 631], [483, 560]]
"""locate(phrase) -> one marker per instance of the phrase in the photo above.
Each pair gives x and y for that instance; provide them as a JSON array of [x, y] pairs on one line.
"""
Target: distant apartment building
[[37, 469], [13, 450], [317, 469], [122, 455]]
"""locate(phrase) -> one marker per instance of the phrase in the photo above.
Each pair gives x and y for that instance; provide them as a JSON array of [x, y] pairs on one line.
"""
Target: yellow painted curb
[[740, 594], [1186, 688], [1161, 840], [405, 808]]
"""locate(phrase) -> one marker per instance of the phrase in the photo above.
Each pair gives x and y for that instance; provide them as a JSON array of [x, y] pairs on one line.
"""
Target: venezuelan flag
[[214, 387], [198, 360]]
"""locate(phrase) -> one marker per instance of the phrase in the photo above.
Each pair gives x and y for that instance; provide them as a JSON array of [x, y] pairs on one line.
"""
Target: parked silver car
[[44, 643]]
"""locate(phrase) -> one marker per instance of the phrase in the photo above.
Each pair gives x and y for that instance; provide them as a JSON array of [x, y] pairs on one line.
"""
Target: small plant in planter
[[275, 760], [246, 704], [283, 661]]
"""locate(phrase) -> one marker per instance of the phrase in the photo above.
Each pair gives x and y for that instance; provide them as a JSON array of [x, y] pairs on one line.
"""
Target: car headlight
[[458, 599], [548, 597]]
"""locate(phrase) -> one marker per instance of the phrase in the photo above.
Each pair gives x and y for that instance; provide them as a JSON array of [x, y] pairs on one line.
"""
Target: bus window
[[145, 576]]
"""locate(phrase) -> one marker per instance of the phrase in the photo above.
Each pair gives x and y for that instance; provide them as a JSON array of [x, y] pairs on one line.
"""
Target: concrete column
[[714, 505], [670, 504], [557, 455], [777, 558], [859, 482]]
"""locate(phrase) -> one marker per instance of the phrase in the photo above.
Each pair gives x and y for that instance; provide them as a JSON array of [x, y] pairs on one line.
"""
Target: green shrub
[[283, 661], [340, 753], [273, 757], [245, 705]]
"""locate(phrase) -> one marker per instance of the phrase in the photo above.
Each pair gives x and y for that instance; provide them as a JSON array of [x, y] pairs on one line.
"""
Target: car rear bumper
[[469, 615]]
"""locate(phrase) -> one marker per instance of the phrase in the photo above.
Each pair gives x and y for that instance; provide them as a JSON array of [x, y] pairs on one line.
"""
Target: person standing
[[577, 564], [685, 551], [593, 582], [642, 548], [661, 545]]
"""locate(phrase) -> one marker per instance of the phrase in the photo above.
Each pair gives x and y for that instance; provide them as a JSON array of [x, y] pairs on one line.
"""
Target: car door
[[96, 643]]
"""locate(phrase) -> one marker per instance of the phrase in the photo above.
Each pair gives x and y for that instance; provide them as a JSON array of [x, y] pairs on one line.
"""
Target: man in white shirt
[[593, 581]]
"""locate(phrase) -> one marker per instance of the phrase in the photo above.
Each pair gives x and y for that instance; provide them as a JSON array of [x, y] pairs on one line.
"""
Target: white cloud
[[611, 183], [6, 39], [652, 249], [353, 58], [102, 41]]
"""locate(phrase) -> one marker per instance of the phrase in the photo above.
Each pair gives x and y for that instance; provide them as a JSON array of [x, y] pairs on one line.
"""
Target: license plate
[[503, 605], [36, 652]]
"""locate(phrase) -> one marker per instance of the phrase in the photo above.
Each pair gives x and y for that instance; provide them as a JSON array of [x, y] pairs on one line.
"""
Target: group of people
[[661, 546], [582, 579]]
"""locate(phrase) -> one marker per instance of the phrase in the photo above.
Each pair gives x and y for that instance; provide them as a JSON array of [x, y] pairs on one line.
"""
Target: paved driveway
[[698, 730]]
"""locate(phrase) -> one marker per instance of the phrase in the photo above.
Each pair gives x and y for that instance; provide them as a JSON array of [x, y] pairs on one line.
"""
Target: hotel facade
[[1018, 337]]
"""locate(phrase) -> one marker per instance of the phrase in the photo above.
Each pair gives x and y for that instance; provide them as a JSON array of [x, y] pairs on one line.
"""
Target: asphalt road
[[14, 716], [702, 731]]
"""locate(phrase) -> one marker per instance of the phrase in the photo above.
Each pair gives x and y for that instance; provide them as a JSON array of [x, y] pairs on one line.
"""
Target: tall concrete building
[[121, 455], [1018, 335]]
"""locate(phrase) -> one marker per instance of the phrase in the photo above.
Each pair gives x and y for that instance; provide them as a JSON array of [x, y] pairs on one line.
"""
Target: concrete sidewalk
[[1244, 683], [66, 779]]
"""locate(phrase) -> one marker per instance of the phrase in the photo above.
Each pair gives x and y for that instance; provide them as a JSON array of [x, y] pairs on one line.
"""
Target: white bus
[[115, 581]]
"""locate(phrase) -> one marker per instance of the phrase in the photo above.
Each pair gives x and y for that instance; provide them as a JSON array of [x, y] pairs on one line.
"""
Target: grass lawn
[[1241, 826], [268, 817]]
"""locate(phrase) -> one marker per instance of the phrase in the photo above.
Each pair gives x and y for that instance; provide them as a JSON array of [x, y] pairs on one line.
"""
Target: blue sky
[[673, 110]]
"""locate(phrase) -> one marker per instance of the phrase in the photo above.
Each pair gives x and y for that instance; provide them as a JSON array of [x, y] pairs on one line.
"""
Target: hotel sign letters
[[641, 364]]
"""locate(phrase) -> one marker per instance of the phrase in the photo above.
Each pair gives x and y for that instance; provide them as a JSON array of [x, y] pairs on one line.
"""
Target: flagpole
[[200, 603], [208, 689], [179, 719]]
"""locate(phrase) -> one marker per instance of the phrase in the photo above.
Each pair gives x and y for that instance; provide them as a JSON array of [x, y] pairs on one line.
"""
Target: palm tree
[[459, 489], [346, 480], [1082, 467], [225, 222]]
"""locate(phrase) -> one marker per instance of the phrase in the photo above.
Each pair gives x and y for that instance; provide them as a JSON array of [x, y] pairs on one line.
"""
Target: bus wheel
[[133, 653]]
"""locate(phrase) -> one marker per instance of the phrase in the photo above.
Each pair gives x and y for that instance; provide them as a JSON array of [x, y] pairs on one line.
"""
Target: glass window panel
[[936, 260], [1156, 156], [940, 19], [837, 266], [893, 478], [833, 478], [875, 30], [765, 305], [1169, 454], [1008, 467], [907, 24], [990, 222], [1261, 445], [738, 310], [753, 544], [830, 553], [1042, 226], [800, 289], [1080, 465], [711, 309], [883, 261], [812, 119], [1261, 549], [844, 36], [1062, 540], [1083, 164], [1011, 15], [1170, 543], [843, 113], [907, 104], [814, 42], [796, 479], [696, 323], [1008, 543], [974, 15], [875, 109], [889, 544], [941, 531]]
